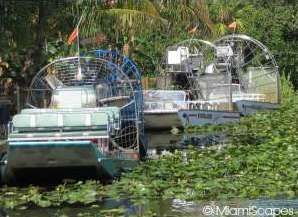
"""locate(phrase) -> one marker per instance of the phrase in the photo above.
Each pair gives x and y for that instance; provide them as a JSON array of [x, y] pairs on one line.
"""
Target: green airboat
[[83, 119]]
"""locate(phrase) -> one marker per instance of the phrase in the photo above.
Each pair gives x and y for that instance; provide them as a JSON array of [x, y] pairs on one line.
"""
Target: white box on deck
[[177, 56], [224, 51]]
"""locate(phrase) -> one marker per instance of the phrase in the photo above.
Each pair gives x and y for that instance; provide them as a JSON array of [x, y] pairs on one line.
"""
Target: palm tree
[[225, 12], [187, 14], [124, 22], [118, 18], [131, 17]]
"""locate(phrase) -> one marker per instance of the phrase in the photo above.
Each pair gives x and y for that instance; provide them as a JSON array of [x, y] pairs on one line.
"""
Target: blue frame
[[132, 71]]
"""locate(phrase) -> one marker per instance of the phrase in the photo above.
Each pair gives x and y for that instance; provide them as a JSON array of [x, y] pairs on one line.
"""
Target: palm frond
[[135, 14], [132, 15], [203, 13], [148, 7]]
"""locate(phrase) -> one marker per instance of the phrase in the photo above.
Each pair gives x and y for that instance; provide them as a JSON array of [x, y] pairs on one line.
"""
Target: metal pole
[[79, 75], [230, 86], [18, 98]]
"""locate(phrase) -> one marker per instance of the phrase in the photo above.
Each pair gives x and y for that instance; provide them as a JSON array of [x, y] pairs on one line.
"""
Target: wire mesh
[[90, 83], [188, 60], [216, 75], [130, 69], [253, 68]]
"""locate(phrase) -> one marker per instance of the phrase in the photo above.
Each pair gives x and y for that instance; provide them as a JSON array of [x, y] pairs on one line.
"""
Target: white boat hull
[[167, 109]]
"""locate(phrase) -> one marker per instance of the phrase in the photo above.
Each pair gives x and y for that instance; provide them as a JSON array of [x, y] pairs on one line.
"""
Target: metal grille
[[130, 69], [216, 75], [253, 68], [188, 60], [107, 81]]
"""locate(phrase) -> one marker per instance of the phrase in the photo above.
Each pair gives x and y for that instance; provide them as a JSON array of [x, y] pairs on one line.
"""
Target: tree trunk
[[40, 37]]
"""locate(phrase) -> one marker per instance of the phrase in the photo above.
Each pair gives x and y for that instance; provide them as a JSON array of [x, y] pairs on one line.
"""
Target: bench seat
[[26, 122], [113, 112]]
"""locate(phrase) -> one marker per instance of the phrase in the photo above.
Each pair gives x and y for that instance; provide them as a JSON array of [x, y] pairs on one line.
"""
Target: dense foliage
[[33, 33]]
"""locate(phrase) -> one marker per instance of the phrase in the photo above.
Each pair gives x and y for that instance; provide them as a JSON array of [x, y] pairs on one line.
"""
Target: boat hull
[[183, 118], [34, 161], [199, 117], [196, 117], [246, 107], [161, 120], [51, 154]]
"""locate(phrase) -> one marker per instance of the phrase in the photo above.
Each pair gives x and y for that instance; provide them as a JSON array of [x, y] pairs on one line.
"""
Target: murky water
[[161, 143], [169, 208]]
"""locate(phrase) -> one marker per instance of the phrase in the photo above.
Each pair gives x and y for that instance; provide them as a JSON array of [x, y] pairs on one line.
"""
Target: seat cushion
[[47, 121]]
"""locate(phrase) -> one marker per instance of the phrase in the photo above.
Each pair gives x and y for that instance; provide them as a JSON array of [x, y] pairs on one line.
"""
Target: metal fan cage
[[216, 75], [193, 56], [187, 61], [112, 86], [131, 70], [252, 68]]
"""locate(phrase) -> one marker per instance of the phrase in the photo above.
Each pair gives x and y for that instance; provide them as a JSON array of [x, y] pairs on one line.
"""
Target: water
[[161, 143], [167, 208]]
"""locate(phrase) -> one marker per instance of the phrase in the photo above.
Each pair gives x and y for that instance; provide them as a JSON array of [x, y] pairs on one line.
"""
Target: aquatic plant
[[78, 193]]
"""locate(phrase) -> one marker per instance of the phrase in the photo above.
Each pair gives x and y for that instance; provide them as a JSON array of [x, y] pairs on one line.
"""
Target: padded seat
[[113, 112], [21, 120], [26, 122], [47, 120]]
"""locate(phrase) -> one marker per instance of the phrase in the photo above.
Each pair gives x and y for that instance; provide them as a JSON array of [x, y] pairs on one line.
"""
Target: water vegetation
[[79, 193]]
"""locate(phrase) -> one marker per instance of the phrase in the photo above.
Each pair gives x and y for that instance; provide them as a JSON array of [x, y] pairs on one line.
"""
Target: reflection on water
[[235, 208], [167, 208], [3, 213], [164, 141], [104, 208]]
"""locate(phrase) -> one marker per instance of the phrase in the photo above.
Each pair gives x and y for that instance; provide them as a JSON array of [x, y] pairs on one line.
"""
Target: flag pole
[[79, 75]]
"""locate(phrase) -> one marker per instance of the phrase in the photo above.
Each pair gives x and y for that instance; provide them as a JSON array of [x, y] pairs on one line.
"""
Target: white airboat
[[214, 83]]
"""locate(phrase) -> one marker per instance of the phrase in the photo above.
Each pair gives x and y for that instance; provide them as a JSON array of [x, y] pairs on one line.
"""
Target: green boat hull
[[65, 159]]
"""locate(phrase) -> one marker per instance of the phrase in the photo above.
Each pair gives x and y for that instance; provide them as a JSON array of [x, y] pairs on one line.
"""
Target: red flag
[[233, 26], [73, 36], [193, 30]]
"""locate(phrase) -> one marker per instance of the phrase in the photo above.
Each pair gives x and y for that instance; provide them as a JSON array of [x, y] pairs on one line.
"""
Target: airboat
[[84, 118], [217, 83], [253, 73]]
